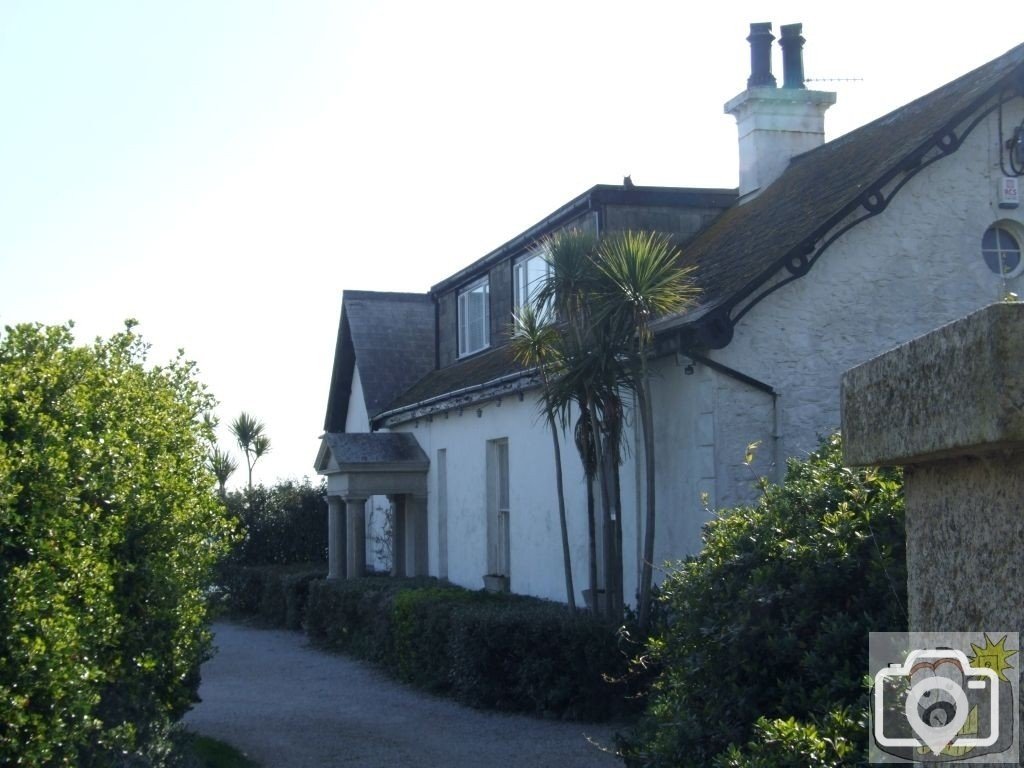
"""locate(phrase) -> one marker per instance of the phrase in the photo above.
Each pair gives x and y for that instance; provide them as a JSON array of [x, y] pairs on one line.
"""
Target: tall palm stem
[[647, 568]]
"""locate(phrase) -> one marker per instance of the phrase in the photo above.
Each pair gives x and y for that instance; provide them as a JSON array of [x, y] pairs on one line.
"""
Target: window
[[528, 276], [498, 549], [1001, 250], [474, 318]]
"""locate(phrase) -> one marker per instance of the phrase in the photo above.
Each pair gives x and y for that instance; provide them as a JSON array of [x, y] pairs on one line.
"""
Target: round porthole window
[[1001, 250]]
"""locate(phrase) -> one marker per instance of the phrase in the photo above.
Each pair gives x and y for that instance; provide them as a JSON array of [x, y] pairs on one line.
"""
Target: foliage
[[421, 625], [276, 594], [204, 752], [535, 344], [110, 530], [642, 281], [222, 466], [594, 360], [489, 650], [252, 439], [836, 742], [531, 656], [285, 523], [354, 615], [771, 618]]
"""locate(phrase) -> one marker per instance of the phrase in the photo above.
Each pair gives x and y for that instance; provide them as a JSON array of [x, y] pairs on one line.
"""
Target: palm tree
[[589, 380], [644, 281], [535, 344], [570, 259], [248, 431], [222, 466]]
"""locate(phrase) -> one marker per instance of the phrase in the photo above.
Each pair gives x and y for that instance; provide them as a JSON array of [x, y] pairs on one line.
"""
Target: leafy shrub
[[109, 529], [296, 595], [354, 615], [532, 656], [771, 618], [493, 651], [285, 523], [782, 743], [275, 594], [421, 626]]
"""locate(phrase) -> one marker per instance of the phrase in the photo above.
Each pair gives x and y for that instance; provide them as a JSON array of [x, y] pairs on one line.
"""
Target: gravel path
[[288, 705]]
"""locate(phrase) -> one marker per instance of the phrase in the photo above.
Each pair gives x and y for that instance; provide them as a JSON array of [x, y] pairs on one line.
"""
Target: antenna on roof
[[834, 79]]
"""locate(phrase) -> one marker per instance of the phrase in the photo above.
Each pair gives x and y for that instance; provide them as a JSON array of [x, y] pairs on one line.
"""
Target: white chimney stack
[[776, 124]]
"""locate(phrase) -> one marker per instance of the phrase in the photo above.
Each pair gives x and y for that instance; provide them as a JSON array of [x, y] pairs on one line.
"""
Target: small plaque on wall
[[1009, 192]]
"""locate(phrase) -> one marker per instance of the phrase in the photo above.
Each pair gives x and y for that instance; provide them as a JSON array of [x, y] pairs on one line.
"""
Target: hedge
[[282, 524], [274, 594], [490, 651], [532, 656]]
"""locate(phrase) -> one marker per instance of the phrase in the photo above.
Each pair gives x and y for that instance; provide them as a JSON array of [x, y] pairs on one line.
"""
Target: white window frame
[[1012, 230], [465, 318], [524, 288]]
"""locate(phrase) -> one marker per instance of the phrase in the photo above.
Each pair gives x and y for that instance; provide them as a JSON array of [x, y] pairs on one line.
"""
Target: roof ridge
[[391, 295]]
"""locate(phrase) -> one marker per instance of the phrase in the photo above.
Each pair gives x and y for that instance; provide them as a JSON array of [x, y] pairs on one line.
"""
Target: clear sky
[[222, 169]]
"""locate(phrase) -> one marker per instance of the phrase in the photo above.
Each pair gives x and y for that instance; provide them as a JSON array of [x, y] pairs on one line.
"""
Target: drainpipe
[[761, 386]]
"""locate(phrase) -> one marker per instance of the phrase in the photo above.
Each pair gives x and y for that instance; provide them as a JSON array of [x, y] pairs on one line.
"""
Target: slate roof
[[751, 241], [390, 336], [791, 219], [367, 449], [473, 372]]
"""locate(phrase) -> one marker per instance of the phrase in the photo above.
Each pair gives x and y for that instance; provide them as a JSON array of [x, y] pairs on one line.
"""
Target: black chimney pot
[[792, 56], [761, 55]]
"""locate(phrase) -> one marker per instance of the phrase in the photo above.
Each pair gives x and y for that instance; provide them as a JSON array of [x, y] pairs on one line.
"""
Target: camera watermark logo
[[944, 697]]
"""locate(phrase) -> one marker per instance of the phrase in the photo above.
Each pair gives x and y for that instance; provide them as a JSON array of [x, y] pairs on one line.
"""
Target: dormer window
[[529, 273], [474, 318]]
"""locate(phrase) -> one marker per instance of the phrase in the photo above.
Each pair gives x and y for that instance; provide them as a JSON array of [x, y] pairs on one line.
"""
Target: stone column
[[336, 539], [398, 547], [416, 535], [355, 514], [949, 407]]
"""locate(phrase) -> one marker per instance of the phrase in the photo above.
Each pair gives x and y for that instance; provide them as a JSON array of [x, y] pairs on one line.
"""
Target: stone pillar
[[949, 407], [336, 539], [398, 557], [355, 514], [416, 535]]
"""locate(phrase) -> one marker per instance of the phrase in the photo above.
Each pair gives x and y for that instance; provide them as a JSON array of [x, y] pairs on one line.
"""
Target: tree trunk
[[616, 482], [570, 592], [647, 572], [608, 539], [592, 544]]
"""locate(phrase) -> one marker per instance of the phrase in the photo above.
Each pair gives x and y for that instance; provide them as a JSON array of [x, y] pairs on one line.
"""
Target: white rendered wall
[[535, 536], [357, 420], [903, 273], [896, 276], [914, 267]]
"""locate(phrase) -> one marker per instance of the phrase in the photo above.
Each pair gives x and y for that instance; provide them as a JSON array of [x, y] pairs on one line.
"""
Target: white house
[[826, 255]]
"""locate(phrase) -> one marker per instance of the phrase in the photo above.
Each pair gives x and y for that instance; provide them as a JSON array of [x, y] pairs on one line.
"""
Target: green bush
[[421, 626], [109, 529], [275, 594], [296, 595], [285, 523], [491, 651], [532, 656], [836, 742], [354, 615], [771, 619]]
